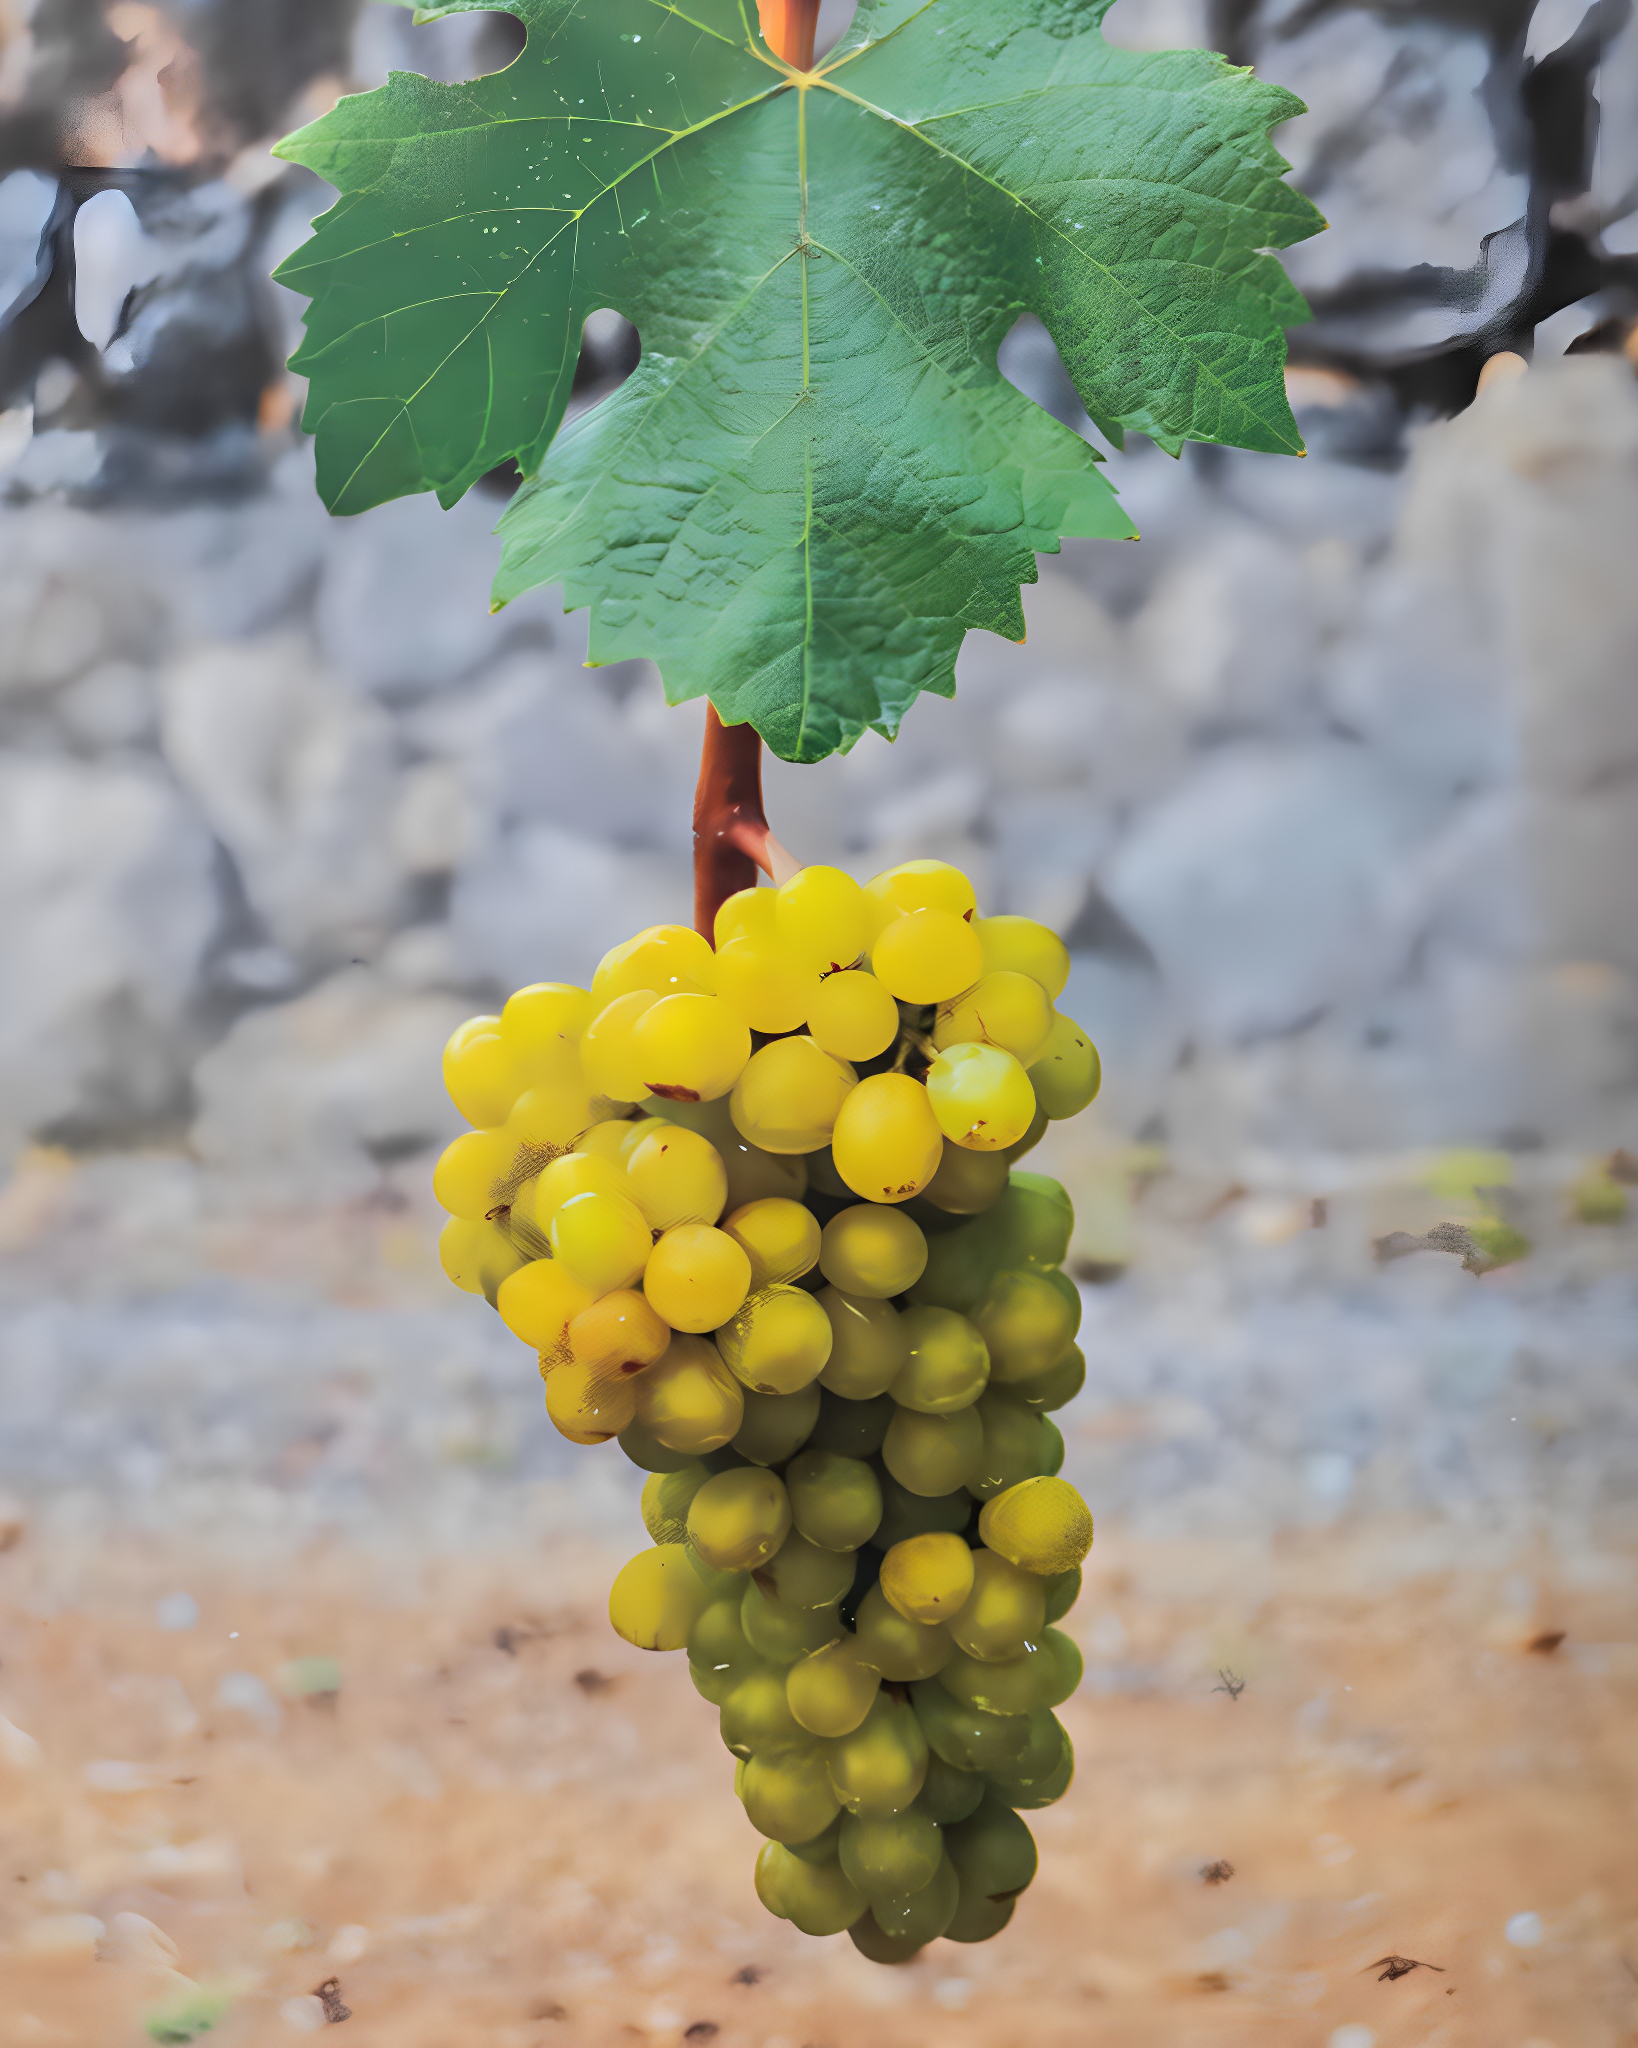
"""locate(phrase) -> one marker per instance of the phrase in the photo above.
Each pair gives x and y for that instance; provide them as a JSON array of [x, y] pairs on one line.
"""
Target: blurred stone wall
[[1333, 780]]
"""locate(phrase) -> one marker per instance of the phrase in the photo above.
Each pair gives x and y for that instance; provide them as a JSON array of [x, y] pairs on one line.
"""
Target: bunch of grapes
[[756, 1208]]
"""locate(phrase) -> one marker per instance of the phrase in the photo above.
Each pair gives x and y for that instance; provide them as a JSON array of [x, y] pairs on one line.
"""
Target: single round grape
[[921, 885], [867, 1937], [756, 1717], [802, 1574], [576, 1173], [1005, 1609], [549, 1118], [481, 1073], [608, 1052], [619, 1332], [1008, 1010], [689, 1400], [1066, 1073], [601, 1239], [1056, 1387], [718, 1654], [747, 914], [831, 1691], [1063, 1589], [738, 1519], [667, 1497], [789, 1095], [947, 1367], [1041, 1524], [696, 1277], [836, 1501], [1019, 1443], [1028, 1320], [965, 1736], [778, 1342], [690, 1048], [1041, 1775], [993, 1852], [787, 1795], [780, 1632], [960, 1266], [1018, 945], [899, 1649], [471, 1177], [967, 1182], [779, 1237], [588, 1406], [852, 1015], [774, 1426], [478, 1257], [981, 1096], [656, 1598], [978, 1917], [853, 1427], [1042, 1674], [543, 1023], [933, 1454], [765, 985], [1028, 1794], [608, 1139], [538, 1303], [868, 1347], [887, 1855], [666, 959], [948, 1795], [872, 1250], [880, 1766], [820, 918], [1032, 1221], [676, 1176], [921, 1916], [912, 1514], [926, 956], [817, 1898], [928, 1578], [886, 1144]]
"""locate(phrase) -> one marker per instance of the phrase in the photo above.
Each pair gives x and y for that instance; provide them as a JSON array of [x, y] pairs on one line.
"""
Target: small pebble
[[1524, 1930]]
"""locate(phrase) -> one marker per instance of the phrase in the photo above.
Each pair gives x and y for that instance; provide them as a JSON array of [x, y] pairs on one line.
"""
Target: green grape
[[960, 1266], [981, 1096], [778, 1342], [1041, 1524], [776, 1426], [867, 1937], [690, 1048], [586, 1404], [657, 1598], [1028, 1322], [718, 1654], [608, 1052], [1018, 945], [967, 1737], [836, 1501], [1042, 1774], [645, 1450], [480, 1072], [926, 956], [1063, 1589], [618, 1333], [1054, 1388], [789, 1096], [823, 1179], [667, 959], [781, 1633], [872, 1250], [887, 1855], [667, 1497], [819, 918], [993, 1852], [756, 1718], [787, 1795], [947, 1794], [948, 1366], [747, 914], [1040, 1792], [885, 1144], [1019, 1443], [868, 1348], [915, 1514], [1032, 1221], [879, 1767], [919, 885], [473, 1174], [933, 1454], [1066, 1073], [1043, 1674], [1032, 1137], [852, 1016], [831, 1691], [896, 1647], [966, 1182], [928, 1578], [766, 985], [478, 1257], [819, 1848], [978, 1918], [1006, 1009], [689, 1400], [800, 1574], [815, 1897], [601, 1239], [675, 1176], [696, 1277], [738, 1519], [1005, 1609], [853, 1427], [779, 1237], [921, 1916]]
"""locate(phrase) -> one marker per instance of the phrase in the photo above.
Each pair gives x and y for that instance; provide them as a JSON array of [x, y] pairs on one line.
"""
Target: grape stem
[[731, 836]]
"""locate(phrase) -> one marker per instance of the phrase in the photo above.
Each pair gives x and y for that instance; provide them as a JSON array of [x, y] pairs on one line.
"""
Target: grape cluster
[[756, 1208]]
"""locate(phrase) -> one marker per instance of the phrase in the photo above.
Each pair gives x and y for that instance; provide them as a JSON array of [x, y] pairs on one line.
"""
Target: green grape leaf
[[816, 481]]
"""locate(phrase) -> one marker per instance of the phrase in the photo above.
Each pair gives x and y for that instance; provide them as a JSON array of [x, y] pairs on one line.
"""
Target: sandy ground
[[508, 1829]]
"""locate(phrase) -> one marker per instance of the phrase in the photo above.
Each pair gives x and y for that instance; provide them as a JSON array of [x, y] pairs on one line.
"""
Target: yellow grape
[[689, 1400], [667, 1497], [886, 1144], [888, 1856], [478, 1257], [787, 1795], [675, 1176], [802, 1574], [608, 1139], [948, 1366], [788, 1097], [815, 1898], [667, 960], [1005, 1609], [868, 1347], [830, 1691], [1005, 1009], [601, 1239], [608, 1052], [747, 914], [928, 1578], [756, 1715], [900, 1649], [981, 1096], [548, 1118], [481, 1073], [933, 1454], [836, 1501], [765, 986], [690, 1048], [921, 885], [927, 956], [879, 1768], [696, 1276], [1066, 1073], [967, 1182], [1041, 1525], [541, 1020], [852, 1015], [778, 1236], [576, 1173], [753, 1175], [656, 1598], [872, 1250], [778, 1342], [474, 1174], [739, 1518], [1028, 1321], [1018, 945], [820, 918], [588, 1405], [775, 1425], [538, 1303], [618, 1332]]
